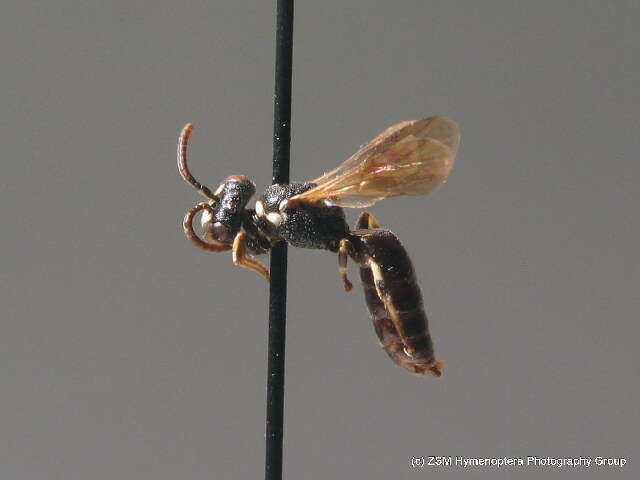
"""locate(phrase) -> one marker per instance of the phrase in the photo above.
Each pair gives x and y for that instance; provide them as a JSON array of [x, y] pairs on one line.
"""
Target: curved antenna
[[187, 225], [183, 139]]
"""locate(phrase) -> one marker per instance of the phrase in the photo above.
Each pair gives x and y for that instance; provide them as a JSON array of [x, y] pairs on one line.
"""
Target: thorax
[[305, 226]]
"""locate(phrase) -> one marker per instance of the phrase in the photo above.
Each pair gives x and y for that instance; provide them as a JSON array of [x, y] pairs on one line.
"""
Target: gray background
[[125, 353]]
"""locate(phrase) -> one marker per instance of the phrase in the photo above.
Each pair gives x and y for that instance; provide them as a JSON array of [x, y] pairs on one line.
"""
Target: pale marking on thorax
[[274, 218]]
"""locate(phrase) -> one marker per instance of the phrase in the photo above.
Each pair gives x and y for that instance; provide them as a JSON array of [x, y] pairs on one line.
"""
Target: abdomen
[[394, 300]]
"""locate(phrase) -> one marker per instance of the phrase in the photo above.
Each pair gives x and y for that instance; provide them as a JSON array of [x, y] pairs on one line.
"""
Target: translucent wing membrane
[[409, 158]]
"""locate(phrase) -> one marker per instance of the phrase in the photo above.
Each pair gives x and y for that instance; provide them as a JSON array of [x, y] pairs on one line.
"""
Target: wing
[[409, 158]]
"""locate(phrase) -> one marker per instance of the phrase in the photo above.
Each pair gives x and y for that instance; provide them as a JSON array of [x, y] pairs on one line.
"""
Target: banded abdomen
[[394, 300]]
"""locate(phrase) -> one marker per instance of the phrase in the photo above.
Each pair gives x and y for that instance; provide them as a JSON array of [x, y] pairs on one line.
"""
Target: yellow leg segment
[[343, 252], [367, 220], [242, 259]]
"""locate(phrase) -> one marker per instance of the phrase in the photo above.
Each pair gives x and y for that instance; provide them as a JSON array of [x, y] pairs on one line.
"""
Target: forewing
[[409, 158]]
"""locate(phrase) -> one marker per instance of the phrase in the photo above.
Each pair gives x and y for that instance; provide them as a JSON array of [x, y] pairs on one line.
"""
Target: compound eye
[[222, 233], [217, 232]]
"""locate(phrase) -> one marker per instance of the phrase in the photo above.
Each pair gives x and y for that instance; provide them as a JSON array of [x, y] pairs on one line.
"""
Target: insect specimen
[[409, 158]]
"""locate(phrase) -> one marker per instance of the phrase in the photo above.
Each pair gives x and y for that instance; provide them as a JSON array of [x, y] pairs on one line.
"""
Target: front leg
[[242, 259]]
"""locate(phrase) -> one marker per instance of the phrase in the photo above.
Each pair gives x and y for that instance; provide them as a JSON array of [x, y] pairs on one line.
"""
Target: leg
[[242, 258], [342, 263], [187, 224], [367, 221]]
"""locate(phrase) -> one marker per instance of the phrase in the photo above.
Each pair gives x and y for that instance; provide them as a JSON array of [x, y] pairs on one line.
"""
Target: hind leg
[[365, 221], [343, 256]]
